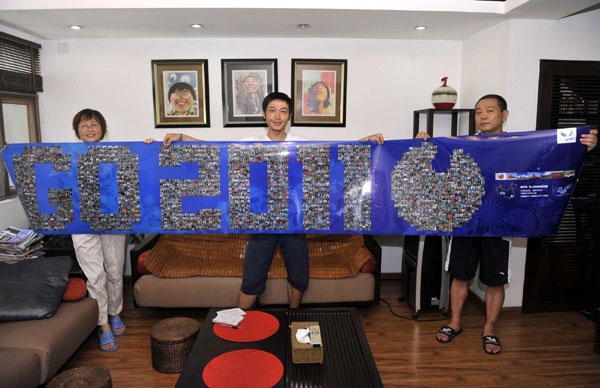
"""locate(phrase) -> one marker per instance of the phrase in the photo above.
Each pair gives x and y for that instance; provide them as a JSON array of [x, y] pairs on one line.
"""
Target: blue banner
[[512, 184]]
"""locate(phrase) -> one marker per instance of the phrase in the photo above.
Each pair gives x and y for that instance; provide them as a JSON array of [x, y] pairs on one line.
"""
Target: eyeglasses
[[86, 127], [184, 94]]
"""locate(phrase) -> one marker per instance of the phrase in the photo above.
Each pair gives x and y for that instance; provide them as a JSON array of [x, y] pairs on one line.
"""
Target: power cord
[[411, 318]]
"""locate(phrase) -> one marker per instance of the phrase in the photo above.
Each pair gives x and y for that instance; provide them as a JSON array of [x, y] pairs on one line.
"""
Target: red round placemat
[[250, 368], [256, 326]]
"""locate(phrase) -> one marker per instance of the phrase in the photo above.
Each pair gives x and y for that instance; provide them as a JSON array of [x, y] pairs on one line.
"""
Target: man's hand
[[422, 135], [378, 137], [590, 140]]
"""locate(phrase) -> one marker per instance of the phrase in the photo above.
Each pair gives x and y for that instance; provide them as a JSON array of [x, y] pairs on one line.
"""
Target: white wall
[[387, 80], [505, 59], [484, 64]]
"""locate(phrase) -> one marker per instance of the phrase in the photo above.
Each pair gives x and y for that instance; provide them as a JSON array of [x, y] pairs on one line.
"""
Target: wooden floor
[[540, 350]]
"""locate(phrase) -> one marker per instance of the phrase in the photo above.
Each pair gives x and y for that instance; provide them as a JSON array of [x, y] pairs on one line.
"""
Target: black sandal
[[449, 332], [491, 340]]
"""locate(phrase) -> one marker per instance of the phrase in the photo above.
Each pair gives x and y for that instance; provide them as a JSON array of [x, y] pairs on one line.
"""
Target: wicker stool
[[82, 377], [171, 341]]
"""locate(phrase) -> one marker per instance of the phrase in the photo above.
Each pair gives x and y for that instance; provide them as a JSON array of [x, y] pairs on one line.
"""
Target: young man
[[277, 111], [491, 253]]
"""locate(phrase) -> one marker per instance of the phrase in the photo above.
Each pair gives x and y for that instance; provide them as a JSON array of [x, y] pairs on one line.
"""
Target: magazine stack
[[19, 244]]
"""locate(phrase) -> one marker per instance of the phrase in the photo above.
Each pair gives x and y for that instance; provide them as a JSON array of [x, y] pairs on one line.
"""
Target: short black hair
[[501, 101], [182, 86], [277, 96], [89, 114]]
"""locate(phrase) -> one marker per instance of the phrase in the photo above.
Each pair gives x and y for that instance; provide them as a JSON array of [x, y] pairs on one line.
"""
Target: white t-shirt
[[266, 138]]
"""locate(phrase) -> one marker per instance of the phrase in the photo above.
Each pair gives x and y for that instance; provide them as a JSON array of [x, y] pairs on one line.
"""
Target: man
[[491, 253], [277, 112], [250, 94]]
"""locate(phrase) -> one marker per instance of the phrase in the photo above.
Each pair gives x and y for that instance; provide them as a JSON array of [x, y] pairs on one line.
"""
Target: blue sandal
[[115, 324], [107, 337]]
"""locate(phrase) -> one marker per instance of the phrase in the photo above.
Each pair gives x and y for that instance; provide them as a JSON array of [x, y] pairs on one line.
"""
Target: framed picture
[[245, 84], [180, 89], [319, 92]]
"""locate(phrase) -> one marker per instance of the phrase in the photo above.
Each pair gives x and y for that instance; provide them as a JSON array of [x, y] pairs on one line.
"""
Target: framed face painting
[[180, 90], [319, 92], [245, 83]]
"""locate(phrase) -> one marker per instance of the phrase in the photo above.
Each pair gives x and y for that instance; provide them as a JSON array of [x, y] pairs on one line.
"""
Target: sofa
[[39, 333], [202, 271]]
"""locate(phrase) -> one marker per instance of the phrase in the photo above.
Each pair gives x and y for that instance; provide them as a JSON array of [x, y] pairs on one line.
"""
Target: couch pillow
[[141, 263], [33, 288], [76, 290]]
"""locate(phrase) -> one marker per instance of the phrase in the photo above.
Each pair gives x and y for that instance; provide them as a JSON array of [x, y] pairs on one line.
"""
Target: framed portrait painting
[[245, 83], [180, 89], [319, 92]]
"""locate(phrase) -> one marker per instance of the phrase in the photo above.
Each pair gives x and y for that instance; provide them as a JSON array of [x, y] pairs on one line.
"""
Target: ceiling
[[378, 19]]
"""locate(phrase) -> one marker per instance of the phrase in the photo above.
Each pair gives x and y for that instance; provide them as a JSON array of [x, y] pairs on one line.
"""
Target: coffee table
[[348, 361]]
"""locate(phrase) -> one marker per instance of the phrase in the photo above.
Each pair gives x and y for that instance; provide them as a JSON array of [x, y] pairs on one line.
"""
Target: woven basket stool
[[171, 341], [82, 377]]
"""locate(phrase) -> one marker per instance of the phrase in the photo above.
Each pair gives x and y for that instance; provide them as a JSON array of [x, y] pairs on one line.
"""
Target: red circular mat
[[250, 368], [256, 326]]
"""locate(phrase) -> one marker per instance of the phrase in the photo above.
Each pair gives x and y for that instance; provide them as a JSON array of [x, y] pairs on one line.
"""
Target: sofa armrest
[[375, 249]]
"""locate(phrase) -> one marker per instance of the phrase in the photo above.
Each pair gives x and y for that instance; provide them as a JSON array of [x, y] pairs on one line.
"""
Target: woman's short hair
[[89, 114], [182, 86]]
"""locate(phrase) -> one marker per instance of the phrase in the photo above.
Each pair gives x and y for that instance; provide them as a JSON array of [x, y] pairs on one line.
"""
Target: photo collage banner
[[511, 184]]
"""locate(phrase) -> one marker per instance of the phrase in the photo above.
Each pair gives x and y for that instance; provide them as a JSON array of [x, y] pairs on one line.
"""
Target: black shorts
[[490, 252]]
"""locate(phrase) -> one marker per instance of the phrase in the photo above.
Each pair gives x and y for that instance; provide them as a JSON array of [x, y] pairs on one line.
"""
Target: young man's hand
[[378, 137], [590, 140], [171, 137]]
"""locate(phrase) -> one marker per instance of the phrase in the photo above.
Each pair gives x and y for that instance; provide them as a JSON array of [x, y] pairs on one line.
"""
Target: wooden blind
[[19, 65], [563, 270]]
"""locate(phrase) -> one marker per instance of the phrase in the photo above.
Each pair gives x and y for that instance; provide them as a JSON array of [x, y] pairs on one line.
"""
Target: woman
[[318, 99], [182, 99], [101, 256]]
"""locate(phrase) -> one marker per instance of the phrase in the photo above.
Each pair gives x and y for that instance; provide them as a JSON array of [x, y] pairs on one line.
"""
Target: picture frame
[[180, 93], [319, 92], [244, 84]]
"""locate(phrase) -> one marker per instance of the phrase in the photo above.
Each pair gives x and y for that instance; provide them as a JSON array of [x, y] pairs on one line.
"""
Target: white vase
[[444, 97]]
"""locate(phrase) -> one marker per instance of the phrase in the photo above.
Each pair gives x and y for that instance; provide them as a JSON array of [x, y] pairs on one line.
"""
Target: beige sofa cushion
[[19, 368], [54, 339], [210, 291]]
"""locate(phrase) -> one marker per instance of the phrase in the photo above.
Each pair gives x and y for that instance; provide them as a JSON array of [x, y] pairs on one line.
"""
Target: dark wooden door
[[562, 271]]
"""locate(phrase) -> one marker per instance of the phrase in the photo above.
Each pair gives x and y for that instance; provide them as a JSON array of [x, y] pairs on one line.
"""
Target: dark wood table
[[348, 361]]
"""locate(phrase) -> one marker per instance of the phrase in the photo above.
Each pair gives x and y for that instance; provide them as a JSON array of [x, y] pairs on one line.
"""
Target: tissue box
[[305, 353]]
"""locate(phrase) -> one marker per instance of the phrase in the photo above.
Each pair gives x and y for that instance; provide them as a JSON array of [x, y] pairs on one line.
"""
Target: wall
[[505, 59], [387, 80]]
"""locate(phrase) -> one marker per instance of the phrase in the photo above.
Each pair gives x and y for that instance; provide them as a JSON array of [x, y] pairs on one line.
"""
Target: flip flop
[[107, 337], [448, 331], [491, 340], [115, 324]]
